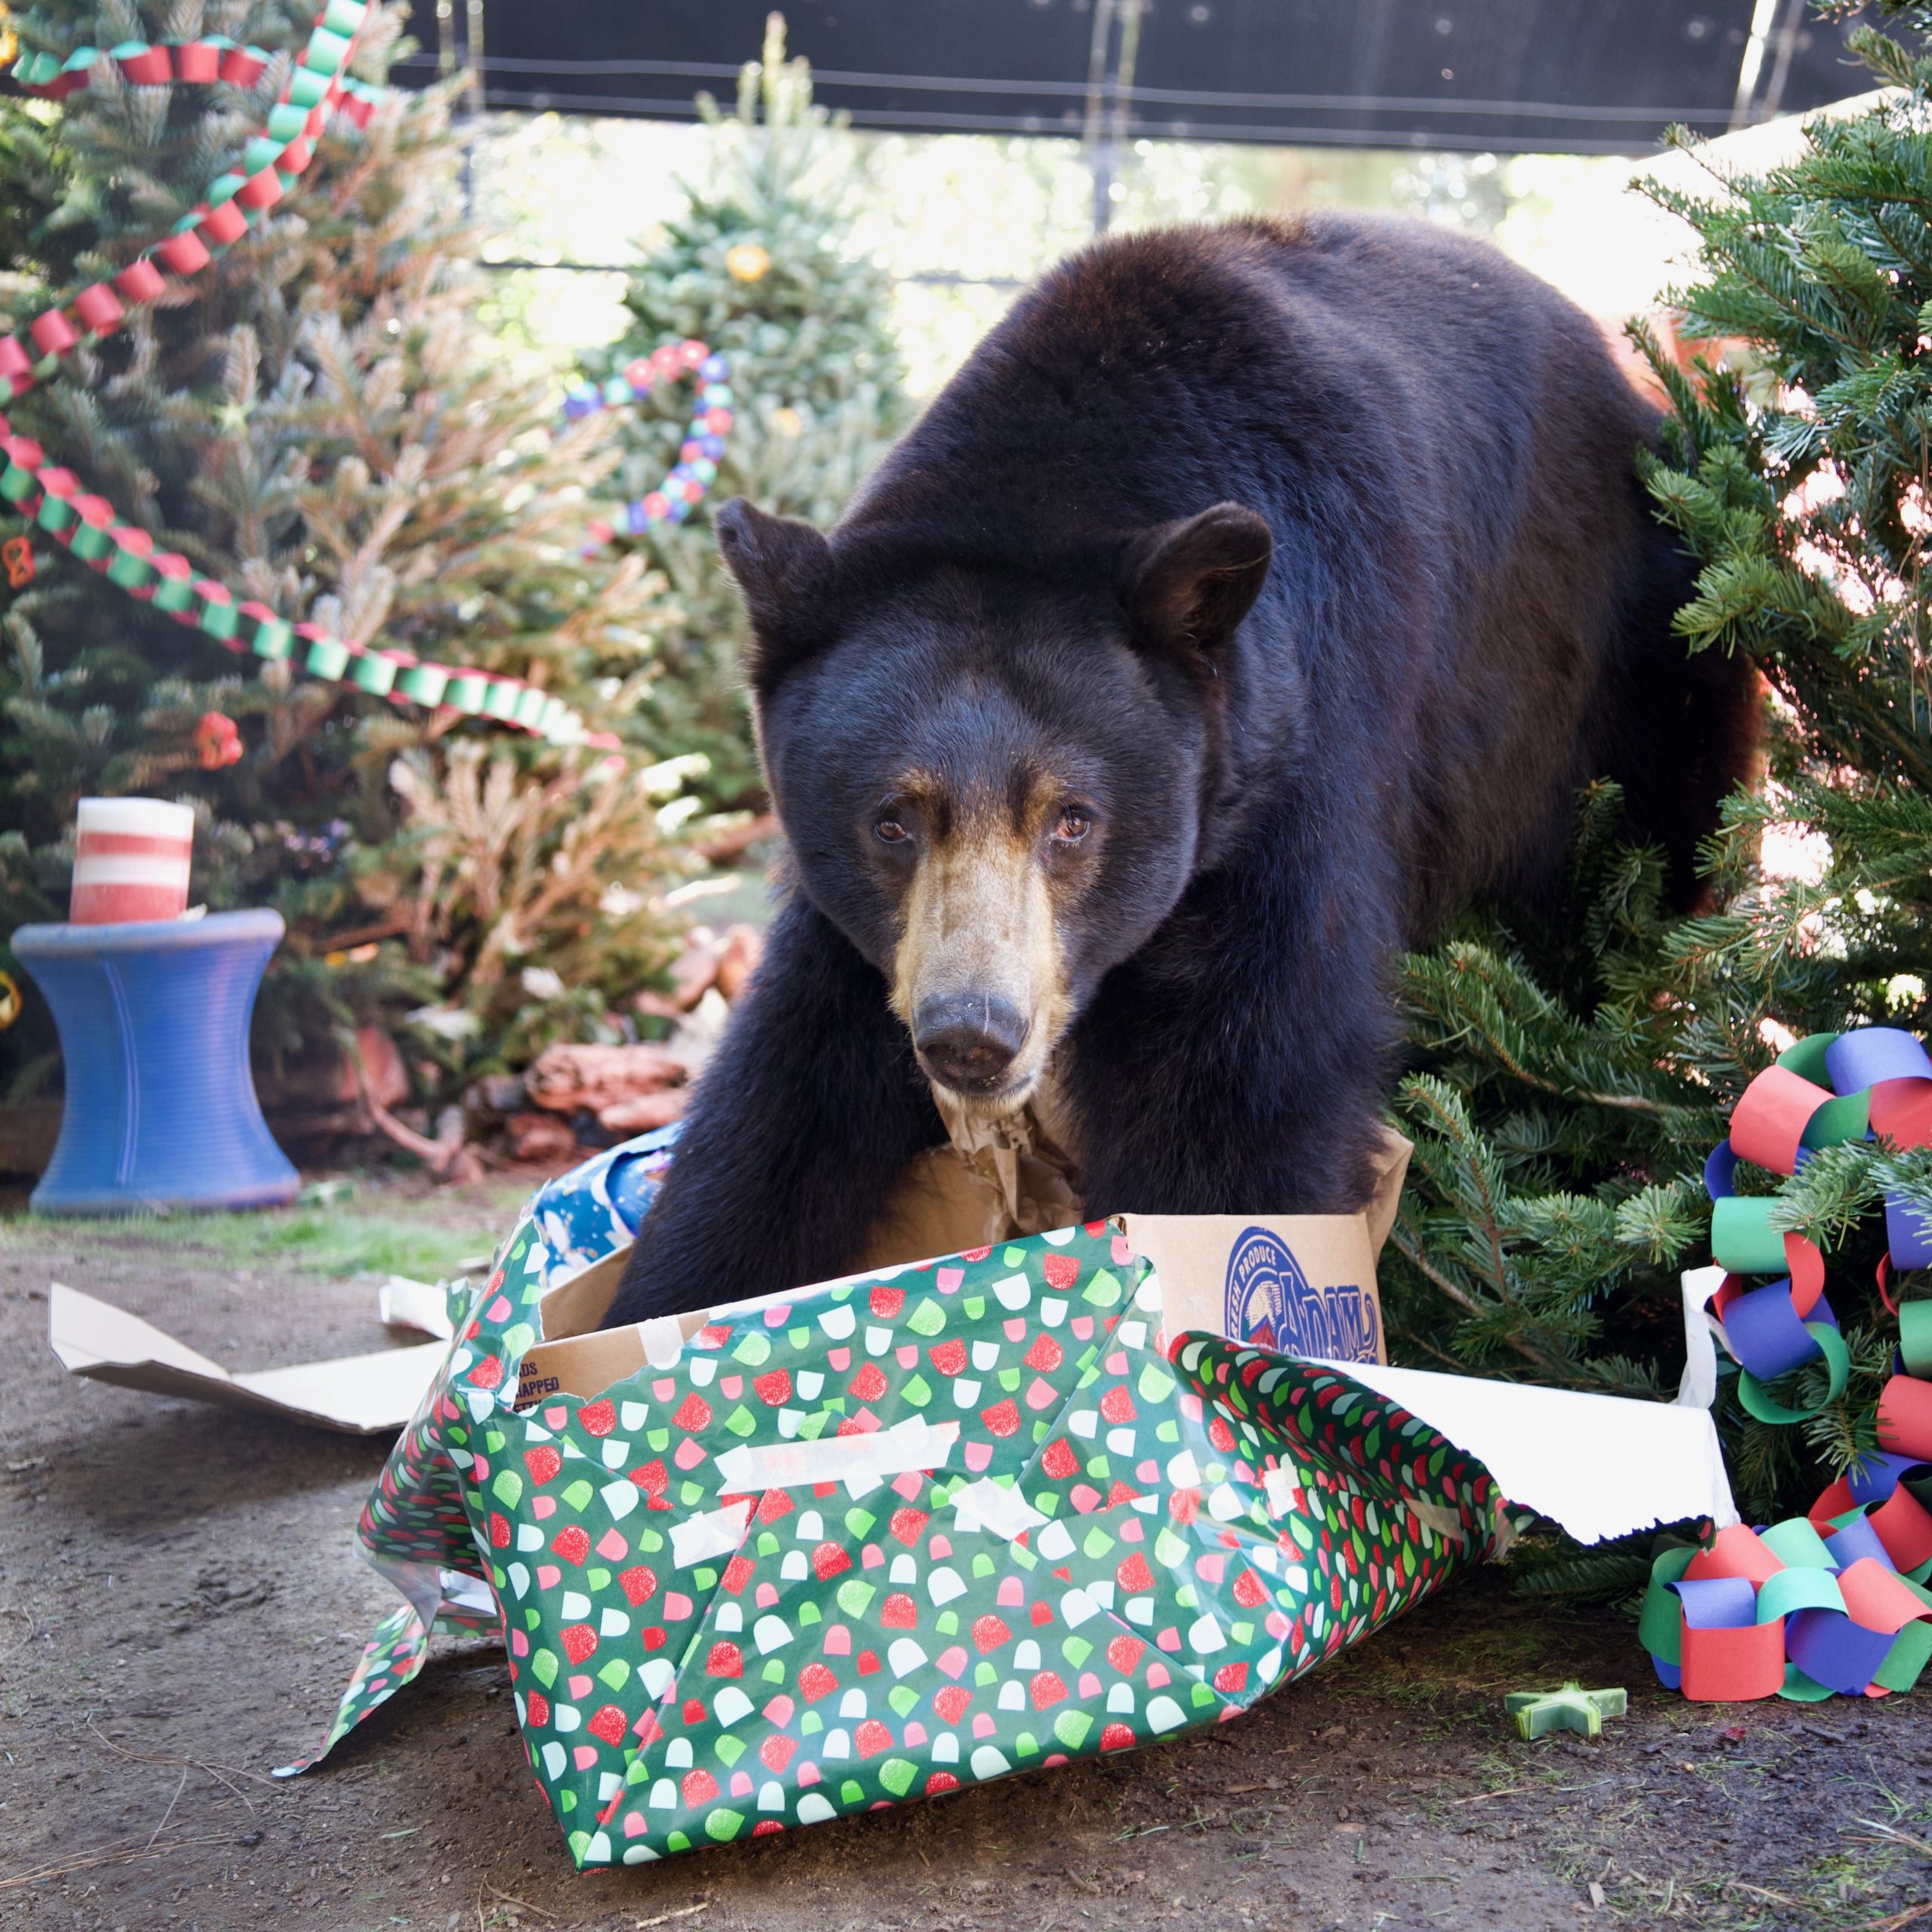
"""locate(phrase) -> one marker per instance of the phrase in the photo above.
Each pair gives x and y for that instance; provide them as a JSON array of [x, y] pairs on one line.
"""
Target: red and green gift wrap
[[1835, 1600], [888, 1536]]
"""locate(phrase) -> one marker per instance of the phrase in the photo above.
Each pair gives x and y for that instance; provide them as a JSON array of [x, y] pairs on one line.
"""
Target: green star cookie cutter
[[1572, 1708]]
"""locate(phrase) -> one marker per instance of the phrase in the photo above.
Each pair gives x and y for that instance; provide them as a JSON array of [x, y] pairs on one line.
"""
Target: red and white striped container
[[130, 861]]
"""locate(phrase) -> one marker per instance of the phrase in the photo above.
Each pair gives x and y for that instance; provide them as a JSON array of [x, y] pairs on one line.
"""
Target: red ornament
[[216, 743]]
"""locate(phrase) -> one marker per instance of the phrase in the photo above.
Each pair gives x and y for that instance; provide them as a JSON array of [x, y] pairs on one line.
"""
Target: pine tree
[[760, 267], [319, 422], [1576, 1074]]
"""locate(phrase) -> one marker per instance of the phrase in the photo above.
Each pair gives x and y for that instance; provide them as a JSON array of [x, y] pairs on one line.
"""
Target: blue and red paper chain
[[684, 486]]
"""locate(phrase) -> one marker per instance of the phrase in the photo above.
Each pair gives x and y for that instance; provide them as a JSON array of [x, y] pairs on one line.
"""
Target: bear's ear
[[784, 569], [1187, 585]]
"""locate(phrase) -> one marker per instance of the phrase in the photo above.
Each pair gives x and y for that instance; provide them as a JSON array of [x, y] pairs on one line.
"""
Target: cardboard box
[[774, 1564], [878, 1538], [1303, 1283]]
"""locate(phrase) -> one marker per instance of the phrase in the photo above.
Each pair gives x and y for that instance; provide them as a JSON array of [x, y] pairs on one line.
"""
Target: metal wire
[[1073, 91]]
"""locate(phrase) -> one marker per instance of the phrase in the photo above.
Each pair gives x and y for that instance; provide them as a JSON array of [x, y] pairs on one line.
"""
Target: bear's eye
[[890, 831], [1073, 826]]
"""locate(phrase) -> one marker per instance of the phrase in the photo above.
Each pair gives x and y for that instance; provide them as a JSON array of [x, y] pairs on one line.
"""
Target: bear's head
[[996, 781]]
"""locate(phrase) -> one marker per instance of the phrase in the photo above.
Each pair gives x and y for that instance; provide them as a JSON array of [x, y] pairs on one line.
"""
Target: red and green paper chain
[[87, 525], [272, 161], [124, 554]]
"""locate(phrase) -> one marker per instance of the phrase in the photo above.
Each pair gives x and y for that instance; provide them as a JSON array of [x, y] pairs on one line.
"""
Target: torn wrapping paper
[[886, 1536], [367, 1394]]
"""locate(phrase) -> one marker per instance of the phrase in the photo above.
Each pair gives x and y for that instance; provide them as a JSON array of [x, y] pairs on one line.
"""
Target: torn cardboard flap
[[422, 1305], [366, 1395]]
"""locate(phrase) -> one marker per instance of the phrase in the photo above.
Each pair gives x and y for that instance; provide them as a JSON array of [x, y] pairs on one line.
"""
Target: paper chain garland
[[124, 554], [87, 524], [696, 467], [1089, 1535], [212, 57], [1788, 1613], [1835, 1600], [271, 163], [1880, 1088]]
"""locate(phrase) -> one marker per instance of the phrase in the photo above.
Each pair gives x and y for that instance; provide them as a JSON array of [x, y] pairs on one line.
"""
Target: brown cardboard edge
[[1179, 1247], [1391, 1163], [578, 1358]]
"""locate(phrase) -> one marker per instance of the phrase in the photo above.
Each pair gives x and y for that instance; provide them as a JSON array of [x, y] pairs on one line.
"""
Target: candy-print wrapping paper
[[885, 1537]]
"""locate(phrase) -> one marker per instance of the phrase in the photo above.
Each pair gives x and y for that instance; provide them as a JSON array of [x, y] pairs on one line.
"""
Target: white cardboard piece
[[1601, 1466], [370, 1394]]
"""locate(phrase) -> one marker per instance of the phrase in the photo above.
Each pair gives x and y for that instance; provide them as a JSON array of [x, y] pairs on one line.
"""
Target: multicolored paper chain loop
[[1802, 1610], [1835, 1600], [1893, 1490], [684, 486], [87, 525], [1880, 1087]]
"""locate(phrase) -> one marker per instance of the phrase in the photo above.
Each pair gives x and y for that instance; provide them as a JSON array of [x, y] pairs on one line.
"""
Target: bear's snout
[[968, 1041]]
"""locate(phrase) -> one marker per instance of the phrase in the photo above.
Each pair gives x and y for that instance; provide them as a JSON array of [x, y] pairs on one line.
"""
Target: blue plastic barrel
[[161, 1109]]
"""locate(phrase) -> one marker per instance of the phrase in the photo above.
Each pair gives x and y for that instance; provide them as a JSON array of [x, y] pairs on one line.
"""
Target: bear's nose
[[969, 1041]]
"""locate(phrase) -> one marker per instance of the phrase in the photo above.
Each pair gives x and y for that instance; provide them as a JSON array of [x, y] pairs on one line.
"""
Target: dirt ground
[[180, 1604]]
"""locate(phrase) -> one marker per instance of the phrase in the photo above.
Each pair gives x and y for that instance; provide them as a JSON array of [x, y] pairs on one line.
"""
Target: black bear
[[1253, 595]]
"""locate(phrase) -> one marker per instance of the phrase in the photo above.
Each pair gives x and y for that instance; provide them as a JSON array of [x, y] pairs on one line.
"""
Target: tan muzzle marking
[[978, 924]]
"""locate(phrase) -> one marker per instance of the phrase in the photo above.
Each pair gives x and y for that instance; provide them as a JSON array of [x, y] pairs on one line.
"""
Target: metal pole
[[1110, 63], [1095, 133], [472, 107], [1787, 46]]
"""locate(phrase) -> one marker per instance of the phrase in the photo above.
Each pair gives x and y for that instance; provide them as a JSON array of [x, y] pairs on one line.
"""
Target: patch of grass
[[421, 1238], [1477, 1661]]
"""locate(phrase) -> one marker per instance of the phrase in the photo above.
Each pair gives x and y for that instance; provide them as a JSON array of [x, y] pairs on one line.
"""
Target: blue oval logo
[[1270, 1301]]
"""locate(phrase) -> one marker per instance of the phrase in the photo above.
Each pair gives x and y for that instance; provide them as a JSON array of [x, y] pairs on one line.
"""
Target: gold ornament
[[788, 422], [747, 262], [9, 1002], [9, 45]]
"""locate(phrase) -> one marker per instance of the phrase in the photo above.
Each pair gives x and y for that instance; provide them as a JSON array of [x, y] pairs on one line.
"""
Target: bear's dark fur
[[1243, 780]]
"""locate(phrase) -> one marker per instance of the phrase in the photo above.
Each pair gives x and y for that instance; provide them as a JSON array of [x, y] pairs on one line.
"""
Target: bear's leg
[[1240, 1067], [798, 1130]]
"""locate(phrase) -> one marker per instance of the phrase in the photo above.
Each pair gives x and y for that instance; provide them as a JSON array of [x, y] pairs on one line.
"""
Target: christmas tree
[[759, 267], [316, 420], [1575, 1074]]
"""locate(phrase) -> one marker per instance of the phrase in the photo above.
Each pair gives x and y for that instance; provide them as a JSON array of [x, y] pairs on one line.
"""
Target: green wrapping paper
[[888, 1536]]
